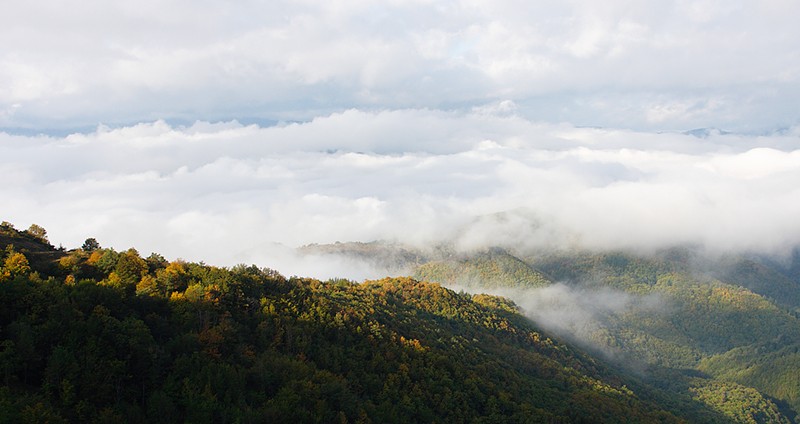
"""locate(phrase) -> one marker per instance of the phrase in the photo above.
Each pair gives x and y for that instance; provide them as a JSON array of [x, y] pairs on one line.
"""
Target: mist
[[577, 313], [216, 132], [220, 192]]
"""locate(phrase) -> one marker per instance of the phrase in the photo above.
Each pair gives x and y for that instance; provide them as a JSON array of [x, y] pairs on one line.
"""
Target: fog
[[235, 133], [228, 193], [578, 313]]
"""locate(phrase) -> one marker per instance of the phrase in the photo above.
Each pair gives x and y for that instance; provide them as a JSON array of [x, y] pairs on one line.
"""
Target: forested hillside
[[106, 336], [490, 269], [97, 335], [732, 318]]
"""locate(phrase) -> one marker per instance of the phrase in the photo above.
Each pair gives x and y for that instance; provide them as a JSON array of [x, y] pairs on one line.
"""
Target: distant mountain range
[[706, 132]]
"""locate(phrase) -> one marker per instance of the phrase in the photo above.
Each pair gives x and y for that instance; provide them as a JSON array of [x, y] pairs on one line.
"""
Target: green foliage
[[15, 264], [106, 260], [41, 255], [38, 232], [90, 245], [107, 336], [717, 326], [245, 344], [741, 404], [130, 268], [493, 268], [770, 281], [155, 262], [698, 318], [770, 367]]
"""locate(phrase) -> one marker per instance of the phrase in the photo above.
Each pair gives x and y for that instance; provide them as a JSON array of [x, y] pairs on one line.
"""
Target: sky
[[227, 131]]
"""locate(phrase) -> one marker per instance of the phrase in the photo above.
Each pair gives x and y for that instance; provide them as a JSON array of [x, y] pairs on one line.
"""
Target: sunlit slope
[[696, 315], [778, 281], [112, 336], [739, 403], [714, 325], [689, 313], [695, 308], [95, 334], [773, 368], [492, 268]]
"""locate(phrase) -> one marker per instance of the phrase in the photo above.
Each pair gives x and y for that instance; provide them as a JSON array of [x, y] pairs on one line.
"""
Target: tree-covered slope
[[96, 335], [682, 311], [710, 318], [771, 367], [113, 337], [740, 403], [33, 244], [492, 268], [768, 278]]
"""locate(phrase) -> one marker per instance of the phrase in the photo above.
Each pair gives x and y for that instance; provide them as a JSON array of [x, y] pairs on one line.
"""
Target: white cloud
[[227, 193], [579, 313], [671, 65]]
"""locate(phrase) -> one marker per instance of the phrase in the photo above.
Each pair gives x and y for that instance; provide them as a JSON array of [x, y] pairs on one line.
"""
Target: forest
[[92, 334]]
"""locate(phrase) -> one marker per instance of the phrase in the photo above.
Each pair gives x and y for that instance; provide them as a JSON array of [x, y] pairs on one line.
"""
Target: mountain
[[112, 336], [96, 335], [780, 282], [37, 249], [706, 132], [489, 269], [724, 323]]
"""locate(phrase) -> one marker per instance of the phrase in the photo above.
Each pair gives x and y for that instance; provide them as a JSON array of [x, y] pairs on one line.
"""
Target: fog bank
[[225, 193]]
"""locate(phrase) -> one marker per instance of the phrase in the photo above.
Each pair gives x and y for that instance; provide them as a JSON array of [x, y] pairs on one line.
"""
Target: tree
[[90, 245], [155, 262], [172, 278], [130, 267], [38, 231], [15, 264], [105, 262], [147, 286], [70, 263]]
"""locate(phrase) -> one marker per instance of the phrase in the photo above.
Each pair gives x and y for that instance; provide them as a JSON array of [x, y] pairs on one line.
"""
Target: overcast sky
[[215, 130], [666, 65]]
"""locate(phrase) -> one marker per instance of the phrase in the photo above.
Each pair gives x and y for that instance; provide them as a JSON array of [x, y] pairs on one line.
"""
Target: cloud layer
[[228, 193], [673, 65]]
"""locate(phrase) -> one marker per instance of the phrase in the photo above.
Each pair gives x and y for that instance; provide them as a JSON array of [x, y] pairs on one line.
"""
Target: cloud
[[226, 192], [675, 65], [579, 313]]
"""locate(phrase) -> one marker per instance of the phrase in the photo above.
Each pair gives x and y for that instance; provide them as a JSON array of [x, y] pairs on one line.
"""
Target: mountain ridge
[[720, 305], [177, 341]]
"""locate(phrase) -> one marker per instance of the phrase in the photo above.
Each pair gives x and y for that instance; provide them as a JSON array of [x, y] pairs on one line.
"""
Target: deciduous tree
[[38, 231]]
